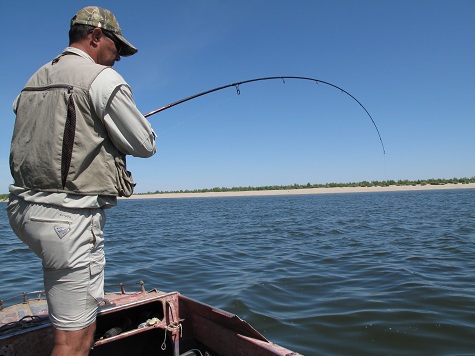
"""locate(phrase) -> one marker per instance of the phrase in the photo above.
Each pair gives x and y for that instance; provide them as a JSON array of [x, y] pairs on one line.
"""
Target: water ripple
[[376, 273]]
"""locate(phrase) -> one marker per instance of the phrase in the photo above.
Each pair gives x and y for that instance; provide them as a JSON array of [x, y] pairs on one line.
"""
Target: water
[[366, 273]]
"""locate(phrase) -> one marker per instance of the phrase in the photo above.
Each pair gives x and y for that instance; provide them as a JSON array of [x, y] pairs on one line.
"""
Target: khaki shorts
[[70, 243]]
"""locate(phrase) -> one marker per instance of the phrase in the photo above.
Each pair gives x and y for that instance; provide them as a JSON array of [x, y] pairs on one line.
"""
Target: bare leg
[[74, 343]]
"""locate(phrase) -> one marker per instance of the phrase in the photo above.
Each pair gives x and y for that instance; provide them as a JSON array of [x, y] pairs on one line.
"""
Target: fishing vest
[[59, 144]]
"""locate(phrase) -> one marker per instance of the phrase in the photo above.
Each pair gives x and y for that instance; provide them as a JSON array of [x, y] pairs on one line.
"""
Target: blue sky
[[410, 63]]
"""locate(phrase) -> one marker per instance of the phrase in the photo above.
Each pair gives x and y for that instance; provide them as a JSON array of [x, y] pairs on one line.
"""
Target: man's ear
[[96, 35]]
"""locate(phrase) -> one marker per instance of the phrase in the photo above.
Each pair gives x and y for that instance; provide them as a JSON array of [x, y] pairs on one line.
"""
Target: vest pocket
[[125, 183]]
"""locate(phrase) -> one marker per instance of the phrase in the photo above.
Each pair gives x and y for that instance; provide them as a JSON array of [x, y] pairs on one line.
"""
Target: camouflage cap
[[104, 19]]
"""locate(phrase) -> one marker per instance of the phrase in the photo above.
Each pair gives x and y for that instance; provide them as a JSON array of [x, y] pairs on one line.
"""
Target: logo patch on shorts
[[62, 231]]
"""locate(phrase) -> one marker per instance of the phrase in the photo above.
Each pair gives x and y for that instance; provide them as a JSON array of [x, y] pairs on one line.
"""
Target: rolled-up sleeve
[[15, 103], [128, 129]]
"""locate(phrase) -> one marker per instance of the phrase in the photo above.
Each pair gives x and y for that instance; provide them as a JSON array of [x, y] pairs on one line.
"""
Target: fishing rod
[[238, 91]]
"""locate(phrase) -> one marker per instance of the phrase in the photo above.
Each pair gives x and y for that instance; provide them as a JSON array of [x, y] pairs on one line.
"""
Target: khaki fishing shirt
[[128, 130]]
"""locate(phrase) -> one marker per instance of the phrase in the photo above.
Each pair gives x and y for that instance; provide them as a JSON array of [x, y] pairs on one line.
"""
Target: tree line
[[374, 183], [384, 183]]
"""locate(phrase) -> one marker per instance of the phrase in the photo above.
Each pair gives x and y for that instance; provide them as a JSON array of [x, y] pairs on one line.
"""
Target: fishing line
[[282, 78]]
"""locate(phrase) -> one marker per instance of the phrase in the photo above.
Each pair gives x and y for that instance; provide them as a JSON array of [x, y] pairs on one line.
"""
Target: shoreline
[[335, 190], [305, 191]]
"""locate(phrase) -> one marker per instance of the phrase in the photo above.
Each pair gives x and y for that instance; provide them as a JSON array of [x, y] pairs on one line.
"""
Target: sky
[[411, 63]]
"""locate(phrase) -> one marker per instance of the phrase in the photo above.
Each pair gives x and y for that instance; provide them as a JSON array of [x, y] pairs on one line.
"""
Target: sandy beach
[[392, 188]]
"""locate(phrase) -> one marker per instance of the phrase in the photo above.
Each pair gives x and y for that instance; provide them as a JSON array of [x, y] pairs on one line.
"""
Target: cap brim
[[127, 48]]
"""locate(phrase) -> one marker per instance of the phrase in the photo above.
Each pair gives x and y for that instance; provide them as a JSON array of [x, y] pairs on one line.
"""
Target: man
[[75, 122]]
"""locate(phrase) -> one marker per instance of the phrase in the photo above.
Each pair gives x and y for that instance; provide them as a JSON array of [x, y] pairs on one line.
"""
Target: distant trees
[[374, 183], [384, 183]]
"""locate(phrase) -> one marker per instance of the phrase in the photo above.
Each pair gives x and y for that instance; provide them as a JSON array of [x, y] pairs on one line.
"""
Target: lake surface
[[364, 273]]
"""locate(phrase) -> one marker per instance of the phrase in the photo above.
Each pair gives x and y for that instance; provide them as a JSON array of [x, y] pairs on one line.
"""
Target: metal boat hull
[[151, 323]]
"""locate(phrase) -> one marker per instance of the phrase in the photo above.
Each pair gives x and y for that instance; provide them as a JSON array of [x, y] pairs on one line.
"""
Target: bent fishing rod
[[238, 91]]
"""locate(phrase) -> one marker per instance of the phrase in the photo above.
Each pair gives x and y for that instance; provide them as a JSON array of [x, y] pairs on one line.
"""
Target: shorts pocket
[[15, 217], [47, 220], [96, 283]]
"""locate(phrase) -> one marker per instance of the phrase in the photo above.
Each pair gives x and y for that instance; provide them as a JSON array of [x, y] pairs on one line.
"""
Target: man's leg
[[73, 343], [63, 239]]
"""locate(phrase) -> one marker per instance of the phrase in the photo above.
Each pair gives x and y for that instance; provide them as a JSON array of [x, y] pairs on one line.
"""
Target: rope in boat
[[23, 323], [173, 326]]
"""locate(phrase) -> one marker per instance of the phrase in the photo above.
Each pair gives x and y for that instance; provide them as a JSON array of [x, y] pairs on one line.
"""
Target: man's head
[[97, 31]]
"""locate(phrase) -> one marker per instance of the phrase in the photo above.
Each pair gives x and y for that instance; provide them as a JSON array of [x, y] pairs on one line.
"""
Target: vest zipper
[[52, 86]]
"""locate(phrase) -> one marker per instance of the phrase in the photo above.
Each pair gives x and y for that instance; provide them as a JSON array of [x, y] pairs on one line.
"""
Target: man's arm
[[128, 129]]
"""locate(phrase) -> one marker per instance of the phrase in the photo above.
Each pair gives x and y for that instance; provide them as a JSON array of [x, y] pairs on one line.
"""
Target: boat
[[138, 323]]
